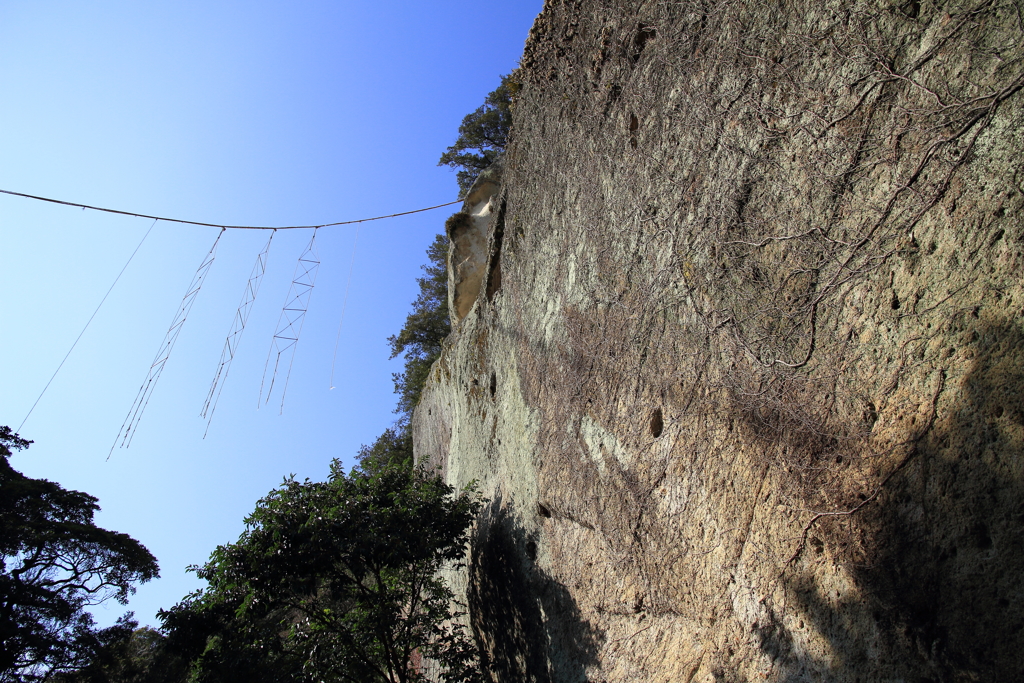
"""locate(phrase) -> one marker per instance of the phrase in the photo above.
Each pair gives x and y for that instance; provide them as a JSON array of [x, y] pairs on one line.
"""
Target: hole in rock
[[643, 34], [657, 423], [911, 9], [982, 538], [543, 511], [494, 384]]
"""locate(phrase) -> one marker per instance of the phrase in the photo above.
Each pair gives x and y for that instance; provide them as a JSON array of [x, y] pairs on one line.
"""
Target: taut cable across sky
[[225, 227]]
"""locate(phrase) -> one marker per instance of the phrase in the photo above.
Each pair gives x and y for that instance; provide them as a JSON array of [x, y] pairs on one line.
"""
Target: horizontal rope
[[226, 227]]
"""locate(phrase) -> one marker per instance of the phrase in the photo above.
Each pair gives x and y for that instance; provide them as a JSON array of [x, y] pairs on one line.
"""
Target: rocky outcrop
[[469, 232], [738, 352]]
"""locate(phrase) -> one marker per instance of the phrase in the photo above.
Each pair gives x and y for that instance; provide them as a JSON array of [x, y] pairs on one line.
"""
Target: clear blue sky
[[262, 113]]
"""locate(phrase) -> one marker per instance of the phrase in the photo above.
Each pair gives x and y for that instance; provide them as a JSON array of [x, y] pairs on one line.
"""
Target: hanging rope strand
[[131, 422], [252, 288], [293, 315], [87, 323]]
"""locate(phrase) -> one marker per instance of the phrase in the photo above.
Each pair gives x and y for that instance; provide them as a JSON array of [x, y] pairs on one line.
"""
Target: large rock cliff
[[738, 353]]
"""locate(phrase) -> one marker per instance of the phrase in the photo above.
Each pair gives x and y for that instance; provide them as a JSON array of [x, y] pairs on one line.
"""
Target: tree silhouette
[[482, 135]]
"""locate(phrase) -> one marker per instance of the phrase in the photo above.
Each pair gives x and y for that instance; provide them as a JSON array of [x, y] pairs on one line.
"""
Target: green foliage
[[55, 562], [129, 654], [482, 135], [334, 581], [222, 642], [424, 331], [393, 448]]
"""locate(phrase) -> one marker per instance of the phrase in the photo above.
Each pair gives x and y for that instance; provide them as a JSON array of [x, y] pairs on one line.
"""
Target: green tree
[[222, 640], [424, 332], [392, 448], [54, 563], [334, 581], [129, 654], [482, 135]]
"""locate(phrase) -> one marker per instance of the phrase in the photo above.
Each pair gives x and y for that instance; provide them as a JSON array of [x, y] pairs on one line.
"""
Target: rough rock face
[[740, 362], [468, 233]]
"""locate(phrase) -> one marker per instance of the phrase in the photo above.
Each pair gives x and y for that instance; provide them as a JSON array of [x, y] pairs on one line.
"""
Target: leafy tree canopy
[[54, 563], [392, 448], [129, 654], [334, 581], [482, 135]]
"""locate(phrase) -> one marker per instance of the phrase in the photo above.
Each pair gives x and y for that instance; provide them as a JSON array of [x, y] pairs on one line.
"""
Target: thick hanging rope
[[252, 287], [344, 305], [293, 315], [87, 323], [225, 227], [131, 422]]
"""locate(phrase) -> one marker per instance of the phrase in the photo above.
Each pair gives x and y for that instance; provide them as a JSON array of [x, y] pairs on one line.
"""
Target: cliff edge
[[738, 347]]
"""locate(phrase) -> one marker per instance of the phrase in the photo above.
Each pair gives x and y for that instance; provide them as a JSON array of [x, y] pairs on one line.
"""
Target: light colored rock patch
[[468, 232], [468, 258], [602, 444]]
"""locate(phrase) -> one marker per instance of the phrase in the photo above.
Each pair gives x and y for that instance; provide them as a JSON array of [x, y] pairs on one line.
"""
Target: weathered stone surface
[[468, 232], [743, 369]]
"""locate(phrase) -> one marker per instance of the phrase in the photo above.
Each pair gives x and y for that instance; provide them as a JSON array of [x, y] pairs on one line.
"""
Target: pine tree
[[483, 135]]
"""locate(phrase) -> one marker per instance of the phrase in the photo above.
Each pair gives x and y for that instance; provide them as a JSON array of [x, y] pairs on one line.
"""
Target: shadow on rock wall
[[941, 595], [527, 625]]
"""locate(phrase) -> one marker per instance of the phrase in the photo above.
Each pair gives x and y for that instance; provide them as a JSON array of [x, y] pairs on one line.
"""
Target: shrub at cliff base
[[334, 581]]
